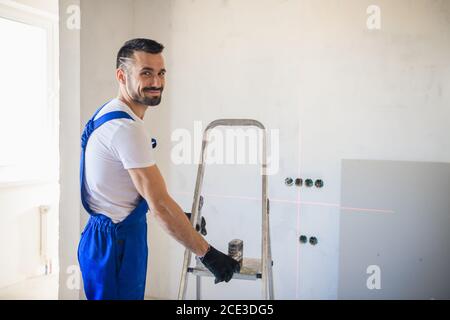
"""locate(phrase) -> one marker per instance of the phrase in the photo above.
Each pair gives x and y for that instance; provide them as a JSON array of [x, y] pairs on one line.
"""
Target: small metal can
[[236, 250]]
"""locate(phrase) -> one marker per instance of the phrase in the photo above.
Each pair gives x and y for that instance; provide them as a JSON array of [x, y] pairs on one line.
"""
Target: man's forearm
[[174, 220]]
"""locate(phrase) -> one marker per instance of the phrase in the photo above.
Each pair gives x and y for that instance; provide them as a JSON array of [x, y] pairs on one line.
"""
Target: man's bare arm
[[151, 186]]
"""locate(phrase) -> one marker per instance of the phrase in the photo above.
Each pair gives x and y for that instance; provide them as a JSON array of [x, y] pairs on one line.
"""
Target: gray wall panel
[[409, 241]]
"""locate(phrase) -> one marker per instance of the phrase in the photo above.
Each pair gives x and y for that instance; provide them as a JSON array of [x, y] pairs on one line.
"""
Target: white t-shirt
[[114, 147]]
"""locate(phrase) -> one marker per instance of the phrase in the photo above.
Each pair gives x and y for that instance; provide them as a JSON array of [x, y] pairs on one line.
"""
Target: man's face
[[146, 78]]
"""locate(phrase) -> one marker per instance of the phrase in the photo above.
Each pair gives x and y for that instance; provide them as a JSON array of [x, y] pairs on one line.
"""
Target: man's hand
[[201, 227], [222, 266]]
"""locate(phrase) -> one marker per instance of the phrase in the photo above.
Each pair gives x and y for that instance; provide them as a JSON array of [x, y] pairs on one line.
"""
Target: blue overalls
[[112, 257]]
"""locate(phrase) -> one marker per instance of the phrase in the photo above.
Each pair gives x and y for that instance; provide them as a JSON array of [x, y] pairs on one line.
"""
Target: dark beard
[[148, 101]]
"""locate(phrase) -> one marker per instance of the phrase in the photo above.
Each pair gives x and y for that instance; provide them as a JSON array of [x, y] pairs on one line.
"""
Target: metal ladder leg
[[270, 261], [198, 287], [194, 219]]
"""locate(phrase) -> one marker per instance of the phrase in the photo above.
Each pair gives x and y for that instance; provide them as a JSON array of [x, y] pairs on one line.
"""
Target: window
[[28, 99]]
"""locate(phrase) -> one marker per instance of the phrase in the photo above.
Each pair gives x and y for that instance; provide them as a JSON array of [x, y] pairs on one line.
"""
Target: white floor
[[39, 288]]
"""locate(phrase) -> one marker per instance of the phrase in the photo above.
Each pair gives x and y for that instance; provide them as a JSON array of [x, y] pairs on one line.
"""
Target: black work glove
[[222, 266], [201, 227]]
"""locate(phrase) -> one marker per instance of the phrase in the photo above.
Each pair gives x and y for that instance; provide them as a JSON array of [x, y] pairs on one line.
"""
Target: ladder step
[[250, 270]]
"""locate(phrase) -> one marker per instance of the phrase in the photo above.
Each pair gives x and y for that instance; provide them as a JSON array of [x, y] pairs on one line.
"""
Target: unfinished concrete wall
[[312, 70]]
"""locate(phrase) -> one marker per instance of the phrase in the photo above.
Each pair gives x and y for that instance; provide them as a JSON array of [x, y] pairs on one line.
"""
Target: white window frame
[[49, 22]]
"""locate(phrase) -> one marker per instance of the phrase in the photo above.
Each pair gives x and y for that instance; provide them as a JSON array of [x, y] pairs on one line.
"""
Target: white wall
[[311, 69], [69, 219]]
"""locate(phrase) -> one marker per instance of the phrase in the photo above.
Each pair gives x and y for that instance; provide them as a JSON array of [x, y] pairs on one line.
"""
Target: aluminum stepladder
[[252, 269]]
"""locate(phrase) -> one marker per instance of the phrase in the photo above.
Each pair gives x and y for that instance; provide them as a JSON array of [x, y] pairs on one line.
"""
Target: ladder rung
[[250, 270]]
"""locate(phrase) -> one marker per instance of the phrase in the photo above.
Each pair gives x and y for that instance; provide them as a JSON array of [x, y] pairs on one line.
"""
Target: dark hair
[[139, 44]]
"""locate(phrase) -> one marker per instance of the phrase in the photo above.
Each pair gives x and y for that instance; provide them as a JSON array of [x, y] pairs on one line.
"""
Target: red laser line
[[312, 203]]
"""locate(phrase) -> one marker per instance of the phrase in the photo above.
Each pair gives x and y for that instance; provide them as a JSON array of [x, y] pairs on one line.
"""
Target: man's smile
[[153, 92]]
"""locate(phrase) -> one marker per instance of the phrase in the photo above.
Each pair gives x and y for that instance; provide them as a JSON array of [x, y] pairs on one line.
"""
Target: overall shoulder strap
[[90, 127], [111, 116]]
